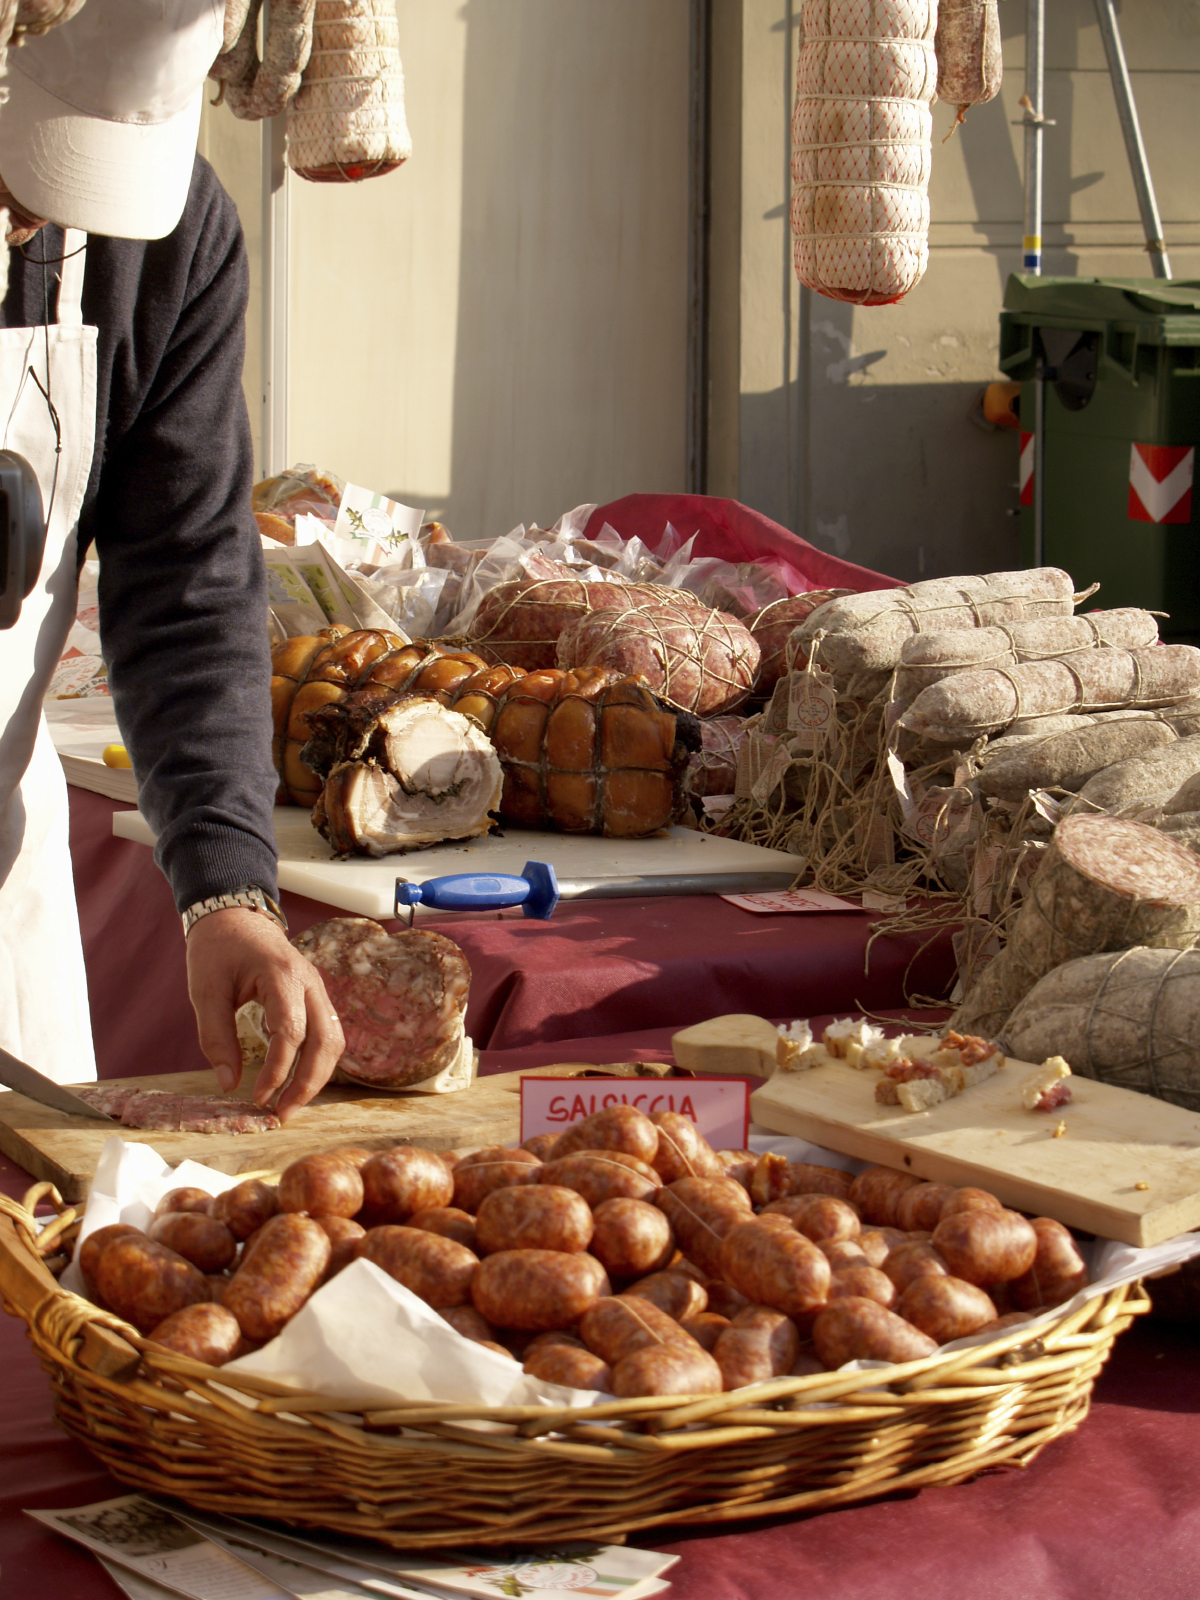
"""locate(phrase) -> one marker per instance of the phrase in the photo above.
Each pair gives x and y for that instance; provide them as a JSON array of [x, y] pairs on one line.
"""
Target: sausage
[[806, 1363], [679, 1295], [467, 1321], [325, 1186], [920, 1209], [1011, 1319], [817, 1216], [754, 1350], [910, 1261], [344, 1236], [143, 1281], [705, 1327], [775, 1268], [540, 1144], [945, 1308], [877, 1192], [683, 1151], [537, 1290], [287, 1262], [724, 1300], [563, 1363], [877, 1243], [398, 1182], [842, 1253], [618, 1127], [533, 1217], [200, 1239], [775, 1177], [208, 1333], [217, 1282], [96, 1242], [603, 1175], [968, 1199], [631, 1238], [244, 1208], [491, 1168], [449, 1159], [865, 1283], [738, 1165], [666, 1369], [185, 1199], [617, 1325], [701, 1211], [986, 1247], [552, 1336], [356, 1154], [436, 1269], [450, 1222], [860, 1330], [1058, 1269]]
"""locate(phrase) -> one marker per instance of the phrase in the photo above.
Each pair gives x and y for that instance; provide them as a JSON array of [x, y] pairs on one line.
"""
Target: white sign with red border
[[720, 1107], [1160, 482]]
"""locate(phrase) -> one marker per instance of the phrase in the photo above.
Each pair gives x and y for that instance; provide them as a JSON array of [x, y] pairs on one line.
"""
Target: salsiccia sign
[[720, 1107]]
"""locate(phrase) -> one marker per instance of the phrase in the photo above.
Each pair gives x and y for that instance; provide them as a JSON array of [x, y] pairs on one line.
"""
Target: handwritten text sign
[[720, 1107]]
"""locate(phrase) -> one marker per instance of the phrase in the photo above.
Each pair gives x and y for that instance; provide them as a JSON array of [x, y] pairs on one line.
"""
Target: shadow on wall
[[903, 481]]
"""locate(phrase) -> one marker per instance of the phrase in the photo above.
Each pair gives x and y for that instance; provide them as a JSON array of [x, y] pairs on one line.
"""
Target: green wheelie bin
[[1120, 359]]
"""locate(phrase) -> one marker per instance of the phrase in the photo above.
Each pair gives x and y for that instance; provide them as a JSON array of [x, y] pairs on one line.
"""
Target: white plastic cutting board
[[582, 863]]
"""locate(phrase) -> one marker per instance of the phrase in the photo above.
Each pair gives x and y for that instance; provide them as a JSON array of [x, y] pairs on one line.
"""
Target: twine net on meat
[[699, 660], [861, 147], [347, 122]]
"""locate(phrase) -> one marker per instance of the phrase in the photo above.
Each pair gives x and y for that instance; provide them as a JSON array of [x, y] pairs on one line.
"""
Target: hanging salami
[[347, 121], [861, 147]]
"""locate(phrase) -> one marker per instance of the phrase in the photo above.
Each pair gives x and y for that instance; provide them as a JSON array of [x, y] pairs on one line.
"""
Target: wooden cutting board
[[1127, 1167], [65, 1149]]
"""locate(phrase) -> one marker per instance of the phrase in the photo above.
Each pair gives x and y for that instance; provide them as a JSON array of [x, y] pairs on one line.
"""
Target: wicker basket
[[424, 1476]]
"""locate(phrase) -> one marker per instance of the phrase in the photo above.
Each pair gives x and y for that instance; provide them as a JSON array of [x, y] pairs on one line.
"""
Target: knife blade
[[16, 1075]]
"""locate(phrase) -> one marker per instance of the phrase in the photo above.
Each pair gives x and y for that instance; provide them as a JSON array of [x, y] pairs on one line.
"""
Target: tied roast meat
[[587, 751], [401, 999]]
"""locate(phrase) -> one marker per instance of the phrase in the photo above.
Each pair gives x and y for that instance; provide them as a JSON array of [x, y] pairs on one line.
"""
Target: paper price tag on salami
[[720, 1107]]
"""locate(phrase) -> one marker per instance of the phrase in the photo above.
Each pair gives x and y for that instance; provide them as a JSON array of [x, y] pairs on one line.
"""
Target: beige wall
[[497, 331], [853, 424]]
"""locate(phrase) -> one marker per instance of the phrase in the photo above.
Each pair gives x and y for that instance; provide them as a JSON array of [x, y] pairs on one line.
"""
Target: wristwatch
[[249, 898]]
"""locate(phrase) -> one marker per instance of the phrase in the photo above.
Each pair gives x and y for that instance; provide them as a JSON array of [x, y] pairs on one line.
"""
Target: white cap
[[102, 115]]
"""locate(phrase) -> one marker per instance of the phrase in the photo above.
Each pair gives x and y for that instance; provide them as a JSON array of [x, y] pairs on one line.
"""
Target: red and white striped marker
[[1026, 471], [1160, 482]]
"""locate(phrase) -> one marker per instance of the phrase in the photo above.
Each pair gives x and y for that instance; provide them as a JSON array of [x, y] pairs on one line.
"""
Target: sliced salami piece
[[160, 1111], [401, 998]]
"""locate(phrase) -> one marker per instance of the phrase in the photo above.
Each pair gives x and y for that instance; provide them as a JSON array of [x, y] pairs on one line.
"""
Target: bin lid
[[1162, 311]]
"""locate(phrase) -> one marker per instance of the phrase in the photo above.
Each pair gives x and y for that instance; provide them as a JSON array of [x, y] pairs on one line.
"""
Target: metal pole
[[1039, 456], [1134, 148], [1035, 43], [274, 298], [696, 466]]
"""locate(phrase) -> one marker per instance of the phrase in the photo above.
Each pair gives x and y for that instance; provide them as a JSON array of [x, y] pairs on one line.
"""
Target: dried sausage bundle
[[773, 628]]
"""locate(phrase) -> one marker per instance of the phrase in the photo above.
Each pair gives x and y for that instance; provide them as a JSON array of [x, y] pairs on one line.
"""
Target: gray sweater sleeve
[[182, 583]]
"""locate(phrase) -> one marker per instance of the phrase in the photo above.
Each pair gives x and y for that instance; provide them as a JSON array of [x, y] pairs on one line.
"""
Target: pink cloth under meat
[[733, 532]]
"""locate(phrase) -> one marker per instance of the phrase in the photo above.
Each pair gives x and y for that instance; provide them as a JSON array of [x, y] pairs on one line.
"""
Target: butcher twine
[[862, 146], [347, 119]]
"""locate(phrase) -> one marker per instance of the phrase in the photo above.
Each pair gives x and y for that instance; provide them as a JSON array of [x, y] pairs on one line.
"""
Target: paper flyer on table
[[571, 1567], [780, 900]]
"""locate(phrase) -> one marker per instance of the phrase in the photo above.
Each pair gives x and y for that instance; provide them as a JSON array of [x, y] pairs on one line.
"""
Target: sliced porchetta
[[401, 999], [432, 775]]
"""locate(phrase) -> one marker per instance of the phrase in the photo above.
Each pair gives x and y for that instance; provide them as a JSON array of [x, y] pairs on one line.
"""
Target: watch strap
[[248, 898]]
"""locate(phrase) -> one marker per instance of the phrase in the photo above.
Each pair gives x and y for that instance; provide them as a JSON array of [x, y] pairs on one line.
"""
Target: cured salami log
[[1130, 1018], [702, 661], [713, 768], [1103, 884], [520, 622], [866, 632], [401, 999], [970, 66]]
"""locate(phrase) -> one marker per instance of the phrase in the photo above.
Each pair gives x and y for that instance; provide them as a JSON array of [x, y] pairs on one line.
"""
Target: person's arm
[[183, 624]]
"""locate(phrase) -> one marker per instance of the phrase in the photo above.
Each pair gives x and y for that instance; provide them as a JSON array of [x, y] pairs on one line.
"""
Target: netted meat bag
[[861, 147], [347, 121]]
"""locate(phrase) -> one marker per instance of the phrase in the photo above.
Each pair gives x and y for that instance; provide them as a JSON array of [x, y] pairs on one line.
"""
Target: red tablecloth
[[599, 967], [1110, 1511]]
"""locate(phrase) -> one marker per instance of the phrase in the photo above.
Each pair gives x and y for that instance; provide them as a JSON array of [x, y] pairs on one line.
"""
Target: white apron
[[44, 1015]]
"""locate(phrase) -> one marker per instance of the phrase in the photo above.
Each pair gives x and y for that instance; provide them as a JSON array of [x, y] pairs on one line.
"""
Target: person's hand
[[238, 955]]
